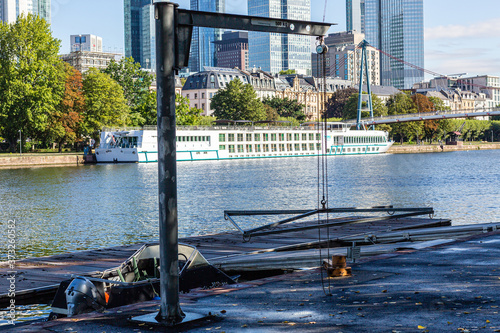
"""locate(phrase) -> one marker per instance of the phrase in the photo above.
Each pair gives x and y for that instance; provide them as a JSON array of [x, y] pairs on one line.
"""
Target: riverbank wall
[[32, 160], [412, 149]]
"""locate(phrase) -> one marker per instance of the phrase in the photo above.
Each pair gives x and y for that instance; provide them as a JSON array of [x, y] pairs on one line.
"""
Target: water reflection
[[64, 209]]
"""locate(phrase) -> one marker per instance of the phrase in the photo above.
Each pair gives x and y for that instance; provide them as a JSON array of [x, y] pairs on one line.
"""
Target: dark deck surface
[[37, 279]]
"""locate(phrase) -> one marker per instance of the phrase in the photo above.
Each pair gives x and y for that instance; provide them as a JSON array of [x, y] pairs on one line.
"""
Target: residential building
[[139, 25], [86, 52], [263, 83], [345, 57], [396, 27], [486, 84], [11, 9], [274, 52], [355, 15], [89, 43], [202, 52], [232, 50]]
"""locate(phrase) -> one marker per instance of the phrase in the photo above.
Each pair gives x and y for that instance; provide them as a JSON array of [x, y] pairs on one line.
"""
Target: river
[[62, 209]]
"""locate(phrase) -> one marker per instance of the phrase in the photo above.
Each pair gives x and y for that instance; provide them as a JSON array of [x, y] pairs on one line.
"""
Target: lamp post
[[20, 144]]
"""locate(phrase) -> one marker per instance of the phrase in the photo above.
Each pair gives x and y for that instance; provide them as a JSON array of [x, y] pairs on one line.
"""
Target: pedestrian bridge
[[435, 115]]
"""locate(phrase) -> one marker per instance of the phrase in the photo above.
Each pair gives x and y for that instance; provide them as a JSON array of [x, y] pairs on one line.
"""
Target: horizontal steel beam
[[250, 23]]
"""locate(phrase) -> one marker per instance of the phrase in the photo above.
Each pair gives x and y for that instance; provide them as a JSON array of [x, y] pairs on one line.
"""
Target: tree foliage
[[287, 72], [400, 103], [135, 83], [238, 101], [184, 114], [438, 104], [335, 104], [31, 79], [105, 104], [422, 103], [351, 108], [286, 107]]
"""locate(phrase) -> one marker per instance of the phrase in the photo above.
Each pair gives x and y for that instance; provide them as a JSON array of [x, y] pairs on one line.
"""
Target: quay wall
[[29, 160], [411, 149]]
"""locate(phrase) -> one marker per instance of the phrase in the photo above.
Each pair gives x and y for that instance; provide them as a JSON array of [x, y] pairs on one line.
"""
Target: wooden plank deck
[[37, 279]]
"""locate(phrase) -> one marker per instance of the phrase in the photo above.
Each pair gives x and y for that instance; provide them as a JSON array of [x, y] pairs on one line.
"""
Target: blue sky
[[460, 36]]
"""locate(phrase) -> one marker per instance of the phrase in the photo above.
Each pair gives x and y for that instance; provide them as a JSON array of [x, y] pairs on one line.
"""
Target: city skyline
[[465, 40]]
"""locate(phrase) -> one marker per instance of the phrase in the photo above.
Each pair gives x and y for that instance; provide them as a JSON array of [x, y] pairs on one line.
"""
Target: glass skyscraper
[[276, 52], [202, 51], [11, 9], [355, 15], [397, 28], [140, 32]]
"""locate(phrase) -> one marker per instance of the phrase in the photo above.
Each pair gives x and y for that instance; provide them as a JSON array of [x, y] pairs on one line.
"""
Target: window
[[304, 147], [288, 147], [318, 136], [195, 95], [304, 136], [249, 137], [311, 146], [318, 146], [289, 136], [273, 147], [311, 136], [203, 106], [296, 136], [282, 147], [266, 148], [196, 105], [256, 137], [222, 147], [273, 136], [230, 137], [296, 147], [257, 148], [240, 137], [222, 137], [281, 136], [249, 148], [231, 148], [266, 136], [202, 95]]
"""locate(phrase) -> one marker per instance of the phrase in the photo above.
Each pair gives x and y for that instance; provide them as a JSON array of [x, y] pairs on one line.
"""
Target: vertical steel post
[[170, 311], [360, 92], [368, 88]]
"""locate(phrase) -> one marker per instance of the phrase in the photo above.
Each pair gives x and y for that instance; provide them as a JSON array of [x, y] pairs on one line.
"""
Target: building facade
[[396, 27], [232, 50], [11, 9], [89, 43], [86, 52], [202, 52], [276, 52], [139, 26], [355, 15]]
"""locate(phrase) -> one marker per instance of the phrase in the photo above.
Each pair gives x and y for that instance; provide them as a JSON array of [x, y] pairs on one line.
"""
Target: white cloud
[[486, 29]]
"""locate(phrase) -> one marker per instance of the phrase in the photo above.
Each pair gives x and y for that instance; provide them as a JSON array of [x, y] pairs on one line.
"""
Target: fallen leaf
[[488, 321], [384, 291], [244, 325], [418, 303], [223, 311], [420, 327]]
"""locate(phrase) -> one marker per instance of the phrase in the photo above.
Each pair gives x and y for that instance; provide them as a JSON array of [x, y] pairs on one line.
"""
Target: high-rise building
[[355, 15], [232, 50], [202, 51], [89, 43], [397, 28], [140, 32], [11, 9], [274, 52]]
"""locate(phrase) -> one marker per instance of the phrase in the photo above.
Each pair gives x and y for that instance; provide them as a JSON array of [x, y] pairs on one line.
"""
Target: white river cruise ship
[[240, 142]]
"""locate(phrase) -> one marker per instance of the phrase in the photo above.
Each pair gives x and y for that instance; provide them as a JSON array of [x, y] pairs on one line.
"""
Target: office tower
[[232, 50], [140, 32], [276, 52], [202, 51], [89, 43], [397, 28], [11, 9], [355, 15]]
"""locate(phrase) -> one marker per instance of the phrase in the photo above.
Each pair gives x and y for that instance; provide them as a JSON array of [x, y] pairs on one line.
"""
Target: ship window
[[231, 148], [296, 136], [222, 137], [249, 137], [318, 136], [249, 148], [257, 148], [304, 136], [297, 147], [318, 146], [266, 136], [281, 136], [240, 148], [230, 137], [289, 147], [266, 148], [222, 147], [304, 147], [240, 137], [289, 136], [311, 146], [273, 136], [282, 147], [256, 137], [207, 138], [273, 147], [311, 136]]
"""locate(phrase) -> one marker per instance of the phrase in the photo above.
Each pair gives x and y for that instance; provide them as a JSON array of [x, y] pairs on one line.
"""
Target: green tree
[[287, 72], [351, 108], [400, 103], [335, 104], [184, 114], [286, 107], [238, 101], [135, 83], [31, 80], [438, 104], [64, 122], [105, 104]]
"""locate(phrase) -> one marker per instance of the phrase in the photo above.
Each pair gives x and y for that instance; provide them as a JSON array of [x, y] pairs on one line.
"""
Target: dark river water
[[61, 209]]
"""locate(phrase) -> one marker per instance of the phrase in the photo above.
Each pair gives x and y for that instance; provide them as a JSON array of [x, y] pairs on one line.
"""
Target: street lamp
[[20, 144]]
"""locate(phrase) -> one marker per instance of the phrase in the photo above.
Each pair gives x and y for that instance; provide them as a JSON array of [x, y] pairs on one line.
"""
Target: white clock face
[[319, 49]]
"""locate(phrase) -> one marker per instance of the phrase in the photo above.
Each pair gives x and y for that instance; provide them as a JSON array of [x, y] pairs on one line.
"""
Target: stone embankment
[[435, 148], [30, 160]]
